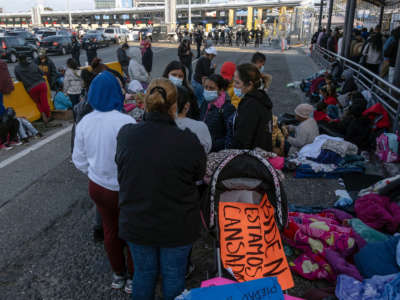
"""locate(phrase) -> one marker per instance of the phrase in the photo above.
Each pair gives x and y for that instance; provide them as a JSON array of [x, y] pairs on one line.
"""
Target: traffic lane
[[108, 54], [47, 250]]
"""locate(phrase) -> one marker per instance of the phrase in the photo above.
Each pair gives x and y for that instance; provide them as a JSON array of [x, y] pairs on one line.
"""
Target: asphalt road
[[46, 216]]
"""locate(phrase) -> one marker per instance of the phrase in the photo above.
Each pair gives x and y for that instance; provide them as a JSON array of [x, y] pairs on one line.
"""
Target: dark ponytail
[[221, 83]]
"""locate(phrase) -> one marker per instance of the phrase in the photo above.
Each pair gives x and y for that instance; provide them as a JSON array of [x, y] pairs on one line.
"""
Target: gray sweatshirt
[[305, 133], [200, 129]]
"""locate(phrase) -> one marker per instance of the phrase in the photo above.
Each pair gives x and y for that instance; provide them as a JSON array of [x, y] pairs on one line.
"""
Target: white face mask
[[175, 80], [262, 69], [210, 96]]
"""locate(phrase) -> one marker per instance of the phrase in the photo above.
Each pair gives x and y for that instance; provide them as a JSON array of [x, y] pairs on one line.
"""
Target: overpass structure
[[226, 12]]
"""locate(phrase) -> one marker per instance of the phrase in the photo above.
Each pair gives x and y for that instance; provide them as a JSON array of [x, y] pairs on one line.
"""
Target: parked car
[[117, 35], [27, 36], [41, 34], [12, 46], [159, 33], [57, 44], [100, 39]]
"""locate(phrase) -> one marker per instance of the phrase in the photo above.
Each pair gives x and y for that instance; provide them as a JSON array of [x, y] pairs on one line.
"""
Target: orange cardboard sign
[[251, 244]]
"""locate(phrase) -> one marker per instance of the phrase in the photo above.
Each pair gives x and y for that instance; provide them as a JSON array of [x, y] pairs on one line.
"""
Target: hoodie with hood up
[[136, 69], [29, 74], [253, 122]]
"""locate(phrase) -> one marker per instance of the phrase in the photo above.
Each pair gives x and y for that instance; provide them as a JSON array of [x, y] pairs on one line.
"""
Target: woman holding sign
[[158, 167]]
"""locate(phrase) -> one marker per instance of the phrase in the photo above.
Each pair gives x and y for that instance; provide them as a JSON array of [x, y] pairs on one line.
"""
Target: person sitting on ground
[[9, 130], [320, 114], [199, 128], [203, 70], [26, 130], [176, 72], [278, 138], [94, 154], [328, 95], [158, 168], [48, 68], [61, 100], [253, 122], [136, 69], [31, 77], [305, 132], [73, 81], [228, 70], [217, 112], [354, 127]]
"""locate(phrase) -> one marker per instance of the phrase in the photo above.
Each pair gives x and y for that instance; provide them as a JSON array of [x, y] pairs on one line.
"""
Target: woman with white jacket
[[94, 155], [73, 82], [136, 69]]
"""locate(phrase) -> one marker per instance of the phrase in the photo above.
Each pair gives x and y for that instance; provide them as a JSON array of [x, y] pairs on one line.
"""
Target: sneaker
[[190, 270], [128, 286], [5, 147], [15, 143], [118, 281]]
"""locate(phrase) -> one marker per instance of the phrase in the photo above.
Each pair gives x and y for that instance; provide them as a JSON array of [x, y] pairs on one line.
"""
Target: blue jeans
[[2, 108], [198, 92], [148, 261]]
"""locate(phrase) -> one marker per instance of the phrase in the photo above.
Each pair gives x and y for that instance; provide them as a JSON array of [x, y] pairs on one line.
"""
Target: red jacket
[[6, 83], [378, 115], [321, 116], [331, 101]]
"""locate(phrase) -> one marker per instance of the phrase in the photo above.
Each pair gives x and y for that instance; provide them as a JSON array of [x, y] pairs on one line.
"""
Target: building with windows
[[106, 4]]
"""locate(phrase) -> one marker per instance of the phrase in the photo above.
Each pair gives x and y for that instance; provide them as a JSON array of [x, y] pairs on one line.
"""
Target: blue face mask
[[210, 96], [262, 69], [175, 80], [321, 97], [238, 92]]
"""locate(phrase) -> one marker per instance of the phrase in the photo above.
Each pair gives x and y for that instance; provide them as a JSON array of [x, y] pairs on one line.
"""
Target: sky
[[25, 5]]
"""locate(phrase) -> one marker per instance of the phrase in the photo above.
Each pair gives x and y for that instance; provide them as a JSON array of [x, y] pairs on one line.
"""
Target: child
[[328, 95], [320, 114], [305, 132], [62, 101], [278, 139]]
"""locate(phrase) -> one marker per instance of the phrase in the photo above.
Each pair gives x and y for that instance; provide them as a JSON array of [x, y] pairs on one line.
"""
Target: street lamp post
[[69, 14]]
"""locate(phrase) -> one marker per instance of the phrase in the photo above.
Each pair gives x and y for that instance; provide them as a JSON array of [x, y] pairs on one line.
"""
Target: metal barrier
[[381, 90]]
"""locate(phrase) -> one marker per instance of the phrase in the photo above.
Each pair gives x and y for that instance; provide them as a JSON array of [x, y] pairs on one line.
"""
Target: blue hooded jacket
[[105, 93]]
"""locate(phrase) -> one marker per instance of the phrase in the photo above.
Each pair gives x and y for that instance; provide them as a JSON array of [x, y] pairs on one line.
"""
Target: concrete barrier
[[24, 105]]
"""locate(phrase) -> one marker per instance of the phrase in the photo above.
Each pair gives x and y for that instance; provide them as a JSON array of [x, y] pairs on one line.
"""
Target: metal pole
[[349, 28], [346, 21], [190, 15], [69, 14], [330, 14], [396, 77], [381, 16], [321, 8]]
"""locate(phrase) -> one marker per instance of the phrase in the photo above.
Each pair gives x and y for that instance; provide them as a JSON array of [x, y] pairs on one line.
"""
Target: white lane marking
[[34, 147]]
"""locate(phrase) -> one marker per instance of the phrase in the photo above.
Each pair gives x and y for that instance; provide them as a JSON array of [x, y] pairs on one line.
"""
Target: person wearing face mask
[[158, 167], [202, 71], [259, 60], [175, 71], [227, 72], [253, 120], [217, 112]]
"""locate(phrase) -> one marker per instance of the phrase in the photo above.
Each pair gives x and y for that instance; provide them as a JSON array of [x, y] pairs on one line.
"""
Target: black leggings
[[9, 130]]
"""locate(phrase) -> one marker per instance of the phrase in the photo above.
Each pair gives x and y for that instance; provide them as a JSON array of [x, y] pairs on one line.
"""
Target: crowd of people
[[372, 49]]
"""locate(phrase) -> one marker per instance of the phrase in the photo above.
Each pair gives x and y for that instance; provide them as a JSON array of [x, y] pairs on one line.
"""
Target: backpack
[[387, 147]]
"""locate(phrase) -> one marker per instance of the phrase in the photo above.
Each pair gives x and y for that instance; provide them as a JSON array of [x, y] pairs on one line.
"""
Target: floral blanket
[[325, 244]]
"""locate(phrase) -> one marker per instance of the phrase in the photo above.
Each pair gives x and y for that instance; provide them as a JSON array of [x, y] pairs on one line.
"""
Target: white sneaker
[[128, 286], [118, 281]]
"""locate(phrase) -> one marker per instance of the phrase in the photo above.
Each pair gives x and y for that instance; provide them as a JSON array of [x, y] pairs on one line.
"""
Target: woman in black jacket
[[175, 71], [158, 167], [217, 112], [253, 121]]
